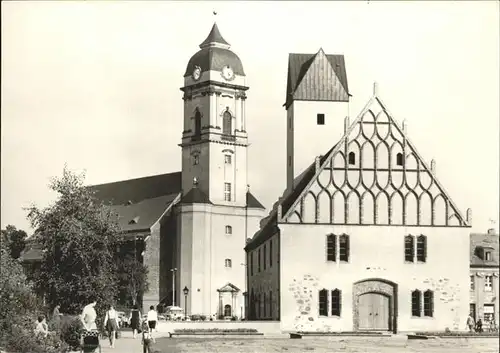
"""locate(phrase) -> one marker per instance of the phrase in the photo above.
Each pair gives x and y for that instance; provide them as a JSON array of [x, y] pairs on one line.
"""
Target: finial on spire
[[469, 216], [405, 125], [375, 88], [195, 182], [433, 167], [214, 12]]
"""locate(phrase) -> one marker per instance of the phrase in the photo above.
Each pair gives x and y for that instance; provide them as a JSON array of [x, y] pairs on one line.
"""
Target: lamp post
[[174, 270], [186, 292]]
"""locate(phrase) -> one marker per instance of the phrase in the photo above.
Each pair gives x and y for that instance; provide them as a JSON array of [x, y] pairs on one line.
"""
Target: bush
[[71, 330], [195, 317], [203, 317], [234, 318]]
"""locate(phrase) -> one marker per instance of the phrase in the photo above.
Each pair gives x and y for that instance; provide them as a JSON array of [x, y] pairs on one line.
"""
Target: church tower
[[214, 140], [217, 212]]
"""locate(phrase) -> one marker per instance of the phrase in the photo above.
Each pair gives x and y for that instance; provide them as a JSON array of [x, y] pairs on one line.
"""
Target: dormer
[[484, 252]]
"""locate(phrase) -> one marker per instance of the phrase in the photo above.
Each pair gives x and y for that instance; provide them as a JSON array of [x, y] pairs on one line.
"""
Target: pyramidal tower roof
[[215, 39]]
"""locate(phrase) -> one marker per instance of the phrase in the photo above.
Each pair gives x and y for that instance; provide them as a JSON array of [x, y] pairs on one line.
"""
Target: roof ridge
[[133, 179]]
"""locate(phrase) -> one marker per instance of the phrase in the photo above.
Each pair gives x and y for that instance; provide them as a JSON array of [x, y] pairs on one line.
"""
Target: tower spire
[[215, 39]]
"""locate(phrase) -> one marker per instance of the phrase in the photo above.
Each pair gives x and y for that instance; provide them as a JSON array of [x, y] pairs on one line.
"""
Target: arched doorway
[[227, 310], [375, 305]]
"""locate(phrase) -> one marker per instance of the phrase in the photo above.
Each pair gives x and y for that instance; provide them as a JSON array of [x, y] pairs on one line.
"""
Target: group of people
[[111, 320], [478, 326], [42, 327]]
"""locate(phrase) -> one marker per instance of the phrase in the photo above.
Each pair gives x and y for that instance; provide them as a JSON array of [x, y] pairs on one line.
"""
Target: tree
[[79, 235], [15, 239], [132, 275]]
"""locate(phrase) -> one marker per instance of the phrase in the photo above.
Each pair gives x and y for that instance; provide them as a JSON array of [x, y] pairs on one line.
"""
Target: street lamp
[[186, 292], [174, 270]]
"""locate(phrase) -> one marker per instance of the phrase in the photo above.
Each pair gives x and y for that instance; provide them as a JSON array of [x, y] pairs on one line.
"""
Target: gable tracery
[[376, 176]]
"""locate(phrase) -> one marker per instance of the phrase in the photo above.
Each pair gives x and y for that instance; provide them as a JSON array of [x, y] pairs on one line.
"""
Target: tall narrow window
[[488, 285], [352, 158], [330, 247], [399, 159], [251, 263], [227, 159], [487, 255], [265, 256], [197, 124], [227, 123], [271, 253], [320, 118], [228, 263], [227, 191], [344, 248], [196, 159], [472, 283], [416, 303], [336, 302], [428, 303], [323, 302], [409, 248], [258, 261], [271, 304], [264, 300], [421, 248]]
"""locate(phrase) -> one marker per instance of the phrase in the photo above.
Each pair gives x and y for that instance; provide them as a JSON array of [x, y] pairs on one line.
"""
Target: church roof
[[214, 38], [214, 55], [195, 195], [303, 74], [252, 201]]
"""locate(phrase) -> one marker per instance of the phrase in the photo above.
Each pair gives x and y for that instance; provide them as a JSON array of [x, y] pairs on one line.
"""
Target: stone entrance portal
[[375, 305], [227, 300]]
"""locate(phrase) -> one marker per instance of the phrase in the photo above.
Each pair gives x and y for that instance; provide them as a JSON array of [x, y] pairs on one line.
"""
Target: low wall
[[265, 327]]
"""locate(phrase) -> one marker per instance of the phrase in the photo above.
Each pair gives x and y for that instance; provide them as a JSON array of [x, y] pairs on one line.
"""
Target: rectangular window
[[265, 256], [409, 248], [320, 119], [258, 261], [489, 312], [229, 230], [227, 159], [271, 253], [487, 256], [421, 248], [228, 263], [323, 302], [472, 310], [336, 302], [196, 159], [488, 283], [330, 248], [428, 303], [472, 283], [344, 248], [415, 303], [227, 191]]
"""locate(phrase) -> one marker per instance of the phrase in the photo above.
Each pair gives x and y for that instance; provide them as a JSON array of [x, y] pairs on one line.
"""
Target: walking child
[[147, 340]]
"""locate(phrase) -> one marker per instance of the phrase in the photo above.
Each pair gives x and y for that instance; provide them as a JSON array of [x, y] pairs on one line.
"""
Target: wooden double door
[[374, 312]]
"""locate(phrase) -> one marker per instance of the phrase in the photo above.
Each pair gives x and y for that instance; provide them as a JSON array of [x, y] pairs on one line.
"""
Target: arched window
[[229, 230], [227, 310], [227, 128], [352, 158], [197, 123], [399, 159], [409, 248], [421, 248], [416, 305]]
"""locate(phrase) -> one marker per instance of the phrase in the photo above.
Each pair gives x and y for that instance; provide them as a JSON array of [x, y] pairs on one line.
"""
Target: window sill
[[335, 317], [423, 317]]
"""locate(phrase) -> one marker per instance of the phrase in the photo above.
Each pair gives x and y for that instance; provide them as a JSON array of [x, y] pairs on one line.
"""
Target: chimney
[[492, 231]]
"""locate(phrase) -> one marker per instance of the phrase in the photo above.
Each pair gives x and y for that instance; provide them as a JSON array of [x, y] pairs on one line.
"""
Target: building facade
[[190, 227], [358, 236], [484, 284]]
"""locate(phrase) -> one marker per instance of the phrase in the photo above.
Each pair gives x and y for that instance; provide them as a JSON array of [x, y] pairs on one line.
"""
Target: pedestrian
[[152, 319], [470, 323], [111, 325], [135, 320], [56, 317], [147, 340], [479, 326], [89, 315]]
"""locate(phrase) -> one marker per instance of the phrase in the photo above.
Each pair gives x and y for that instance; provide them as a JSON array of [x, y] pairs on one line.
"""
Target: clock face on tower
[[227, 73], [196, 73]]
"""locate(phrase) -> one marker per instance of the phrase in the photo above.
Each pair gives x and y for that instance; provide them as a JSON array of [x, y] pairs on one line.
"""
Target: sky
[[95, 85]]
